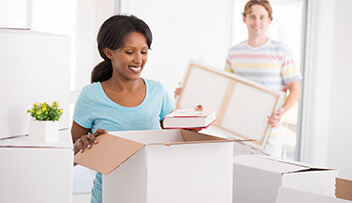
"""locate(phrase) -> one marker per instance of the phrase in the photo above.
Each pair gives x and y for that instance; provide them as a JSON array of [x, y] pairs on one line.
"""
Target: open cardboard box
[[343, 189], [257, 178], [162, 166]]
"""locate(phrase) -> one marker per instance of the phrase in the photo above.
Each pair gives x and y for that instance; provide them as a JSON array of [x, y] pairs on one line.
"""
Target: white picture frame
[[242, 105]]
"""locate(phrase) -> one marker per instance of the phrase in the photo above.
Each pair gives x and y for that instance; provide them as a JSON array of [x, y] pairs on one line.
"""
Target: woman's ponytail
[[101, 72]]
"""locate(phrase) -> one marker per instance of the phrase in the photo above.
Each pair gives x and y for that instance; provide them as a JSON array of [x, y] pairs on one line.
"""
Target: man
[[268, 62]]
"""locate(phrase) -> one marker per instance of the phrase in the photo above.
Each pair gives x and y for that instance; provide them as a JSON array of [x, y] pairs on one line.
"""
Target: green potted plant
[[44, 122]]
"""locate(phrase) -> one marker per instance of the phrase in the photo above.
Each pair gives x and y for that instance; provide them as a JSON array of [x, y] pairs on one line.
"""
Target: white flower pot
[[43, 131]]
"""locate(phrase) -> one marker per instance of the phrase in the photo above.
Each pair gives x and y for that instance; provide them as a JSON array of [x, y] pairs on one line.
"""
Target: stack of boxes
[[35, 67], [149, 166]]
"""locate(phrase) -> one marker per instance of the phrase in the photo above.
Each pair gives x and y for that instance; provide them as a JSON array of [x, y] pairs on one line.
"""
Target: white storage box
[[162, 166], [36, 68], [288, 195], [257, 178], [36, 172]]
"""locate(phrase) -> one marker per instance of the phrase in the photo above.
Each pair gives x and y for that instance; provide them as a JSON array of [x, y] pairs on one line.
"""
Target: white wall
[[340, 132], [326, 128], [13, 14], [183, 30], [90, 15]]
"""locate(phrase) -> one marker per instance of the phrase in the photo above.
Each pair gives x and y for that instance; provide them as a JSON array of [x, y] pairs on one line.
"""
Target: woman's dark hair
[[113, 35]]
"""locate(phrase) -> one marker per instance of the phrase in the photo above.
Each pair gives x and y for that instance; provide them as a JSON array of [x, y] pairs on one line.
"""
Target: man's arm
[[293, 97]]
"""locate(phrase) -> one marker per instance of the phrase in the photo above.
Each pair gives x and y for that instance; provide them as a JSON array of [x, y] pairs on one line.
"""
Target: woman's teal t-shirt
[[94, 110]]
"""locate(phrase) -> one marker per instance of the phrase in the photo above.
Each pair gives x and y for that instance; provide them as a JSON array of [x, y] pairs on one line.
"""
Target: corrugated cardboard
[[35, 171], [162, 166], [344, 189], [113, 150], [240, 146], [288, 195], [257, 178], [109, 154]]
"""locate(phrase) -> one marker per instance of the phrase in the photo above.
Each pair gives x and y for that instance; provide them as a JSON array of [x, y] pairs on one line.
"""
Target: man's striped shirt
[[271, 64]]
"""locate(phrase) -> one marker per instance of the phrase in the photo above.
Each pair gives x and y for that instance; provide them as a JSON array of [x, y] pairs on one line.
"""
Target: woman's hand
[[86, 141], [199, 107]]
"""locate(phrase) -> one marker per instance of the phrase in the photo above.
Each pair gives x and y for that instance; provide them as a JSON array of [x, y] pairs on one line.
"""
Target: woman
[[118, 99]]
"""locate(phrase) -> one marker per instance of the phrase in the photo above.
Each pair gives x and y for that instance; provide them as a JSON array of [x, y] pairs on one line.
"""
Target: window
[[287, 28]]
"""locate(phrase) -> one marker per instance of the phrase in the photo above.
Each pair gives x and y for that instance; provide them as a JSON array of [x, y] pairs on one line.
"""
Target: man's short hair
[[264, 3]]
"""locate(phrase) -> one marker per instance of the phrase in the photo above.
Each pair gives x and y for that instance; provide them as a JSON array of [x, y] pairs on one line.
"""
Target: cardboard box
[[257, 178], [240, 146], [162, 166], [36, 172], [344, 189], [288, 195]]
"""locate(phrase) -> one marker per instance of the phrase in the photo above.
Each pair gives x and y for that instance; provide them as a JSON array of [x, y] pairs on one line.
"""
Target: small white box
[[257, 178], [35, 171], [288, 195], [43, 131], [162, 166]]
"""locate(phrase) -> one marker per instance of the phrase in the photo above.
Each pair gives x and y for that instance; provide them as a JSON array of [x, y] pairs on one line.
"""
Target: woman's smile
[[135, 69]]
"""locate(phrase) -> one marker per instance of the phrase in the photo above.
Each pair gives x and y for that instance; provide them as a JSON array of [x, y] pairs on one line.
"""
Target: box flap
[[168, 137], [108, 154], [241, 148], [301, 167], [195, 136], [151, 136], [267, 164], [343, 189]]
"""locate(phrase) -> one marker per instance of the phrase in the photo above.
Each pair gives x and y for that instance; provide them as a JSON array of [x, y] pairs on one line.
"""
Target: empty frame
[[242, 105]]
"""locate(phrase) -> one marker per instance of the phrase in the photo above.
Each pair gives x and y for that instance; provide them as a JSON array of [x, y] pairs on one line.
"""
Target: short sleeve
[[228, 64], [167, 104], [289, 69], [81, 113]]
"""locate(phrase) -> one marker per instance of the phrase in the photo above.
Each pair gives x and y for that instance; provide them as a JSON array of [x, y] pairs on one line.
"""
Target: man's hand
[[276, 117]]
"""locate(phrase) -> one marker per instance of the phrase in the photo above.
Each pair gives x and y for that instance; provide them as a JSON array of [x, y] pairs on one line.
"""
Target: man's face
[[257, 21]]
